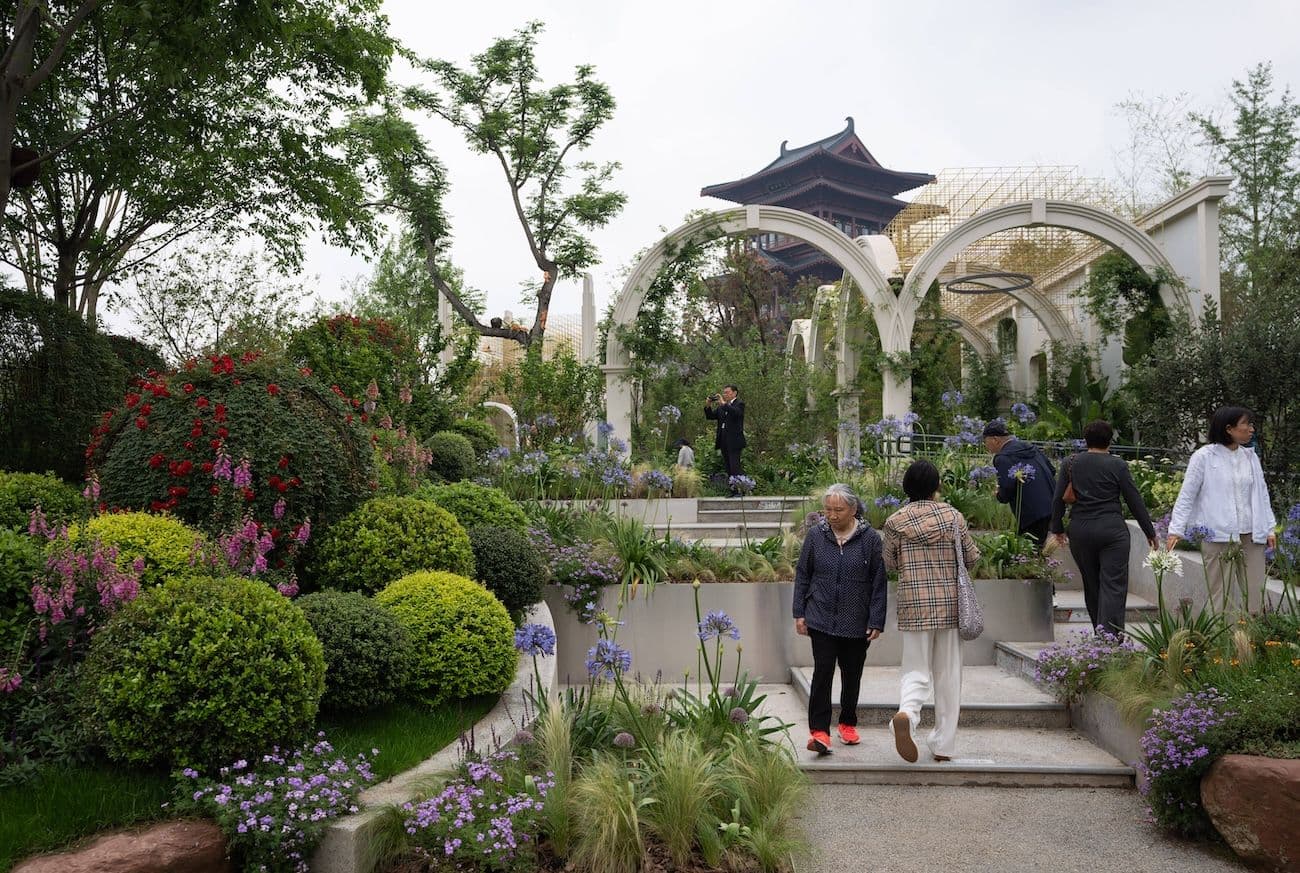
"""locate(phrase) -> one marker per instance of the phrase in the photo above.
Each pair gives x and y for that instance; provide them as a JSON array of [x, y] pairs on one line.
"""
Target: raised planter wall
[[660, 630]]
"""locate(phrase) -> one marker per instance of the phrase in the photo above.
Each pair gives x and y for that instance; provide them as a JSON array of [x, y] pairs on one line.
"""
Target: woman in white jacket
[[1224, 491]]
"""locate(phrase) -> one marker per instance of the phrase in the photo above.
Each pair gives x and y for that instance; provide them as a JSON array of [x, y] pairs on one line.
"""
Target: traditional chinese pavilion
[[837, 180]]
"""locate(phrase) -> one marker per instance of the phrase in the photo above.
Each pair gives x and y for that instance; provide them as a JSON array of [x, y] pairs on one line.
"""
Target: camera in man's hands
[[715, 397]]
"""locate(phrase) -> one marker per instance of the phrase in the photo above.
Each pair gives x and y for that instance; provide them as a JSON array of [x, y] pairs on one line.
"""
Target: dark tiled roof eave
[[895, 182]]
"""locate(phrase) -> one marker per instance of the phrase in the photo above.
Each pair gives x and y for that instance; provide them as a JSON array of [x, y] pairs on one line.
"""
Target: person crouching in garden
[[921, 544], [840, 594]]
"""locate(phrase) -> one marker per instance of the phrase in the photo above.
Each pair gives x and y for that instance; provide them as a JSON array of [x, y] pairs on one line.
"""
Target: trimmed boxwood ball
[[21, 559], [463, 636], [475, 505], [367, 651], [453, 456], [165, 543], [20, 493], [481, 435], [508, 563], [385, 539], [201, 671]]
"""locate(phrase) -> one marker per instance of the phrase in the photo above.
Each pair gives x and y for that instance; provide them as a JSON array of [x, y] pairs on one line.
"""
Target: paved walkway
[[887, 828]]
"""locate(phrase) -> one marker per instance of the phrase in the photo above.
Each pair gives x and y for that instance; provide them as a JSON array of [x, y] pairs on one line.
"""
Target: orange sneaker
[[848, 734], [820, 742]]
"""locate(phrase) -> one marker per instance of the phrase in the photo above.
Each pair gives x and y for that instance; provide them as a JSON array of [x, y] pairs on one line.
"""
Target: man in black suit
[[729, 411]]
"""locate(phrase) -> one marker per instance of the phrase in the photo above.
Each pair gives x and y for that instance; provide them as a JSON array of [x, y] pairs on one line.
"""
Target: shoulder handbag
[[970, 615], [1069, 496]]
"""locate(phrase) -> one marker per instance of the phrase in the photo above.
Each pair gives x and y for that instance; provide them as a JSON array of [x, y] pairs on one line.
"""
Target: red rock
[[171, 847], [1254, 803]]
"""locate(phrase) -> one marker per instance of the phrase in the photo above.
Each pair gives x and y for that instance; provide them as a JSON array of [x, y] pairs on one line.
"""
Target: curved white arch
[[796, 346], [493, 406], [1097, 223], [1048, 313], [972, 335]]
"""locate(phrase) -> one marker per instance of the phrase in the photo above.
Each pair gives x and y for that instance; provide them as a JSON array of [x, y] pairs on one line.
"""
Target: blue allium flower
[[624, 740], [738, 715], [669, 414], [607, 658], [980, 474], [535, 639], [718, 624], [952, 399], [658, 479]]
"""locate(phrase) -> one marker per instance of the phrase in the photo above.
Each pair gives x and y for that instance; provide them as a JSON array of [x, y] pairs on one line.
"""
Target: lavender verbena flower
[[1023, 413], [738, 715], [1023, 473], [606, 659], [535, 639], [1067, 668], [624, 740], [952, 399], [717, 624], [1175, 737]]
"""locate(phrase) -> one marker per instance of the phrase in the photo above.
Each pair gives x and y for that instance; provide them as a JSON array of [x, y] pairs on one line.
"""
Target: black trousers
[[850, 653], [1037, 531], [731, 460], [1100, 547]]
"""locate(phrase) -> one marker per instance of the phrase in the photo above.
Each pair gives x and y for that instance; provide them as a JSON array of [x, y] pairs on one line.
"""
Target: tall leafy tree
[[181, 117], [502, 109]]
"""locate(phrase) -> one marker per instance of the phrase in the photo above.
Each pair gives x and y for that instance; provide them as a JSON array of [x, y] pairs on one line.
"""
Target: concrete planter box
[[1098, 718], [660, 629]]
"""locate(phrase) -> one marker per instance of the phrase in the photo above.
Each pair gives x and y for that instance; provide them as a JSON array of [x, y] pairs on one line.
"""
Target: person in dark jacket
[[1026, 480], [728, 410], [1099, 536], [840, 593]]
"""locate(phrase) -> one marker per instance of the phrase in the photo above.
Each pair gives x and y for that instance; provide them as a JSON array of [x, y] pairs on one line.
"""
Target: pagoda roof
[[842, 155]]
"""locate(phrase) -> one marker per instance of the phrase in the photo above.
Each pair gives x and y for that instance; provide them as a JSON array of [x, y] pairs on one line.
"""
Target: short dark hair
[[732, 387], [1223, 418], [996, 428], [920, 480], [1098, 434]]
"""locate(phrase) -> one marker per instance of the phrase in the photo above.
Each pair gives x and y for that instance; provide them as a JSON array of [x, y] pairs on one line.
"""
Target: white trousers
[[932, 661]]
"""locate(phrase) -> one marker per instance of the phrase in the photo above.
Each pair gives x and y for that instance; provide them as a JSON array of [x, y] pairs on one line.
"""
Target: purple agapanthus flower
[[717, 624], [535, 639], [607, 658], [1022, 473], [743, 484]]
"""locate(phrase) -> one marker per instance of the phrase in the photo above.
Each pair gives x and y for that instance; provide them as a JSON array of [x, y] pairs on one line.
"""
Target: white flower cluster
[[1161, 563]]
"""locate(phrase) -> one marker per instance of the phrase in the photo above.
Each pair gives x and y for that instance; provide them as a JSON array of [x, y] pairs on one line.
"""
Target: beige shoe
[[902, 726]]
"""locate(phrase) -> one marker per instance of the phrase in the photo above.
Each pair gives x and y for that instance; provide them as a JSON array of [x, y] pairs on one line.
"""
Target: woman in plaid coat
[[921, 544]]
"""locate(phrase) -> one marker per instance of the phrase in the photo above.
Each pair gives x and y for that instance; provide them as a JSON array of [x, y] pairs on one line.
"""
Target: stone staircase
[[1012, 734], [721, 522]]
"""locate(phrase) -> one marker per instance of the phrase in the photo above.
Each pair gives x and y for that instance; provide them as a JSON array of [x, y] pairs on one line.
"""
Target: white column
[[587, 350], [618, 401]]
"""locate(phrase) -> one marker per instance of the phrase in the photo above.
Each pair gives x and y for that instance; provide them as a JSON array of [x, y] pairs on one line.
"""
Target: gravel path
[[944, 830]]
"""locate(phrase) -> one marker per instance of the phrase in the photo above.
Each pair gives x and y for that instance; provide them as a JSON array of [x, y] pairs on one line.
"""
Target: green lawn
[[65, 804]]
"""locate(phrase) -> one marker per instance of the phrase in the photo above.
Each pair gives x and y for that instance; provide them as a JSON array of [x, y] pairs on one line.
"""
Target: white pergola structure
[[1180, 239]]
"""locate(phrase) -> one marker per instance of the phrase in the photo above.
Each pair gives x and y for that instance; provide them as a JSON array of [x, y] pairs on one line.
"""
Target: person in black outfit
[[730, 438], [1099, 536], [1032, 499], [840, 594]]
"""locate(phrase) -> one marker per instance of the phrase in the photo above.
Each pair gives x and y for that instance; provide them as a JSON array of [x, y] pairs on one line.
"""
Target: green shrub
[[20, 493], [202, 670], [171, 444], [138, 357], [367, 652], [476, 505], [21, 559], [452, 456], [508, 563], [166, 544], [481, 435], [56, 376], [385, 539], [463, 636]]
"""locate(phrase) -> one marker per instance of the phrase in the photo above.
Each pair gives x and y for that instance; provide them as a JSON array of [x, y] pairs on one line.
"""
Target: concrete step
[[990, 697], [1021, 757], [1069, 608], [789, 504], [746, 516]]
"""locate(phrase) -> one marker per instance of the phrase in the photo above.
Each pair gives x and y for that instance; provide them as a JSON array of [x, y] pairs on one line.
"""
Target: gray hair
[[845, 493]]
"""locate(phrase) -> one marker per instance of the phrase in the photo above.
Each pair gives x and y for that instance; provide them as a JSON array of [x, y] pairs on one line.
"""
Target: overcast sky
[[707, 91]]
